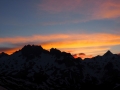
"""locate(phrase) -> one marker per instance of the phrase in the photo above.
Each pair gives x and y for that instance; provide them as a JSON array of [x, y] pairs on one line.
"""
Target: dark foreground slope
[[33, 68]]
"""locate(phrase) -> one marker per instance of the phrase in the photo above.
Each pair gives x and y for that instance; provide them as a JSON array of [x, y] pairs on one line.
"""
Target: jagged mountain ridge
[[34, 68]]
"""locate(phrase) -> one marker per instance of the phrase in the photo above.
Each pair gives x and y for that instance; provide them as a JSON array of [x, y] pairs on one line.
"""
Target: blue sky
[[86, 26]]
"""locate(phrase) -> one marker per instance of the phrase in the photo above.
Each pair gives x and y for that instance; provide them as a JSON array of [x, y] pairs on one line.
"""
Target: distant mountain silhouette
[[3, 54], [34, 68], [108, 53]]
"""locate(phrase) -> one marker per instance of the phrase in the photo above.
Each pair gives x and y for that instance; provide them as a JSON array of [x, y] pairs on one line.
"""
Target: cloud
[[85, 10], [68, 9], [85, 40], [109, 9], [82, 55], [5, 49], [34, 38], [59, 5], [74, 43], [88, 50], [9, 50]]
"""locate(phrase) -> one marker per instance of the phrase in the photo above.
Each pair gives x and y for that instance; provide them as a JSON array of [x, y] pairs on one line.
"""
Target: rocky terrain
[[34, 68]]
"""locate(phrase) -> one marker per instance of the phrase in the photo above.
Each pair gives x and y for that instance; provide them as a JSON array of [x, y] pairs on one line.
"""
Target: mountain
[[108, 53], [3, 54], [34, 68]]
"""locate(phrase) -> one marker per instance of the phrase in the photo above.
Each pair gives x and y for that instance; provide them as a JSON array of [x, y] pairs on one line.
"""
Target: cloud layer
[[85, 10], [87, 24], [73, 43]]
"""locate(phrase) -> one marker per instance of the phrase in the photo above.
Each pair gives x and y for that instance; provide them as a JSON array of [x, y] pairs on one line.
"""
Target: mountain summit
[[34, 68], [3, 54], [108, 53]]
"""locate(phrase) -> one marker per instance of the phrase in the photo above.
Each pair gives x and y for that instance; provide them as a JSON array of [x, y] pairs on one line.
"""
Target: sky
[[84, 28]]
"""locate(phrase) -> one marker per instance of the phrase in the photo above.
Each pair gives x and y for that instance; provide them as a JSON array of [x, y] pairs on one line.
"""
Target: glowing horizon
[[73, 43], [81, 26]]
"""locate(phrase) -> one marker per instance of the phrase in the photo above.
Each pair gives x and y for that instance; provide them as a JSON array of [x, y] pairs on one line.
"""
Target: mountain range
[[34, 68]]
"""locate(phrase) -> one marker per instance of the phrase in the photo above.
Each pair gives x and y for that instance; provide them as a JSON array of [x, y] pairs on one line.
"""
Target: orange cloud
[[85, 40], [9, 50], [87, 50], [109, 9], [87, 43], [12, 50], [82, 55], [33, 38]]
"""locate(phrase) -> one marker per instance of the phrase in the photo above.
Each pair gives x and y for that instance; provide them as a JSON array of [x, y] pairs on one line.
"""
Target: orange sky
[[73, 43], [77, 26]]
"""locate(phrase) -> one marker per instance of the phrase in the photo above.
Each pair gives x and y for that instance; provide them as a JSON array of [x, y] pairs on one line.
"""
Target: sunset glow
[[84, 28]]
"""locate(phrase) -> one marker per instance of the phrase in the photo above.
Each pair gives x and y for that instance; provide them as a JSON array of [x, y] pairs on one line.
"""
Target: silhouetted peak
[[54, 51], [66, 54], [32, 46], [3, 54], [108, 53], [31, 50]]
